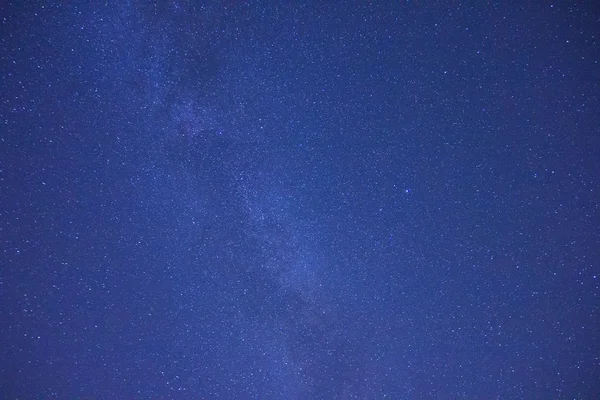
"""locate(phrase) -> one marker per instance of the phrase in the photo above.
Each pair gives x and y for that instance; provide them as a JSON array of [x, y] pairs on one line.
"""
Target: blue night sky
[[299, 200]]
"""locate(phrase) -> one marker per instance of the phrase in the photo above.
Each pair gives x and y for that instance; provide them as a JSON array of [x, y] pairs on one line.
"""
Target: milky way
[[299, 201]]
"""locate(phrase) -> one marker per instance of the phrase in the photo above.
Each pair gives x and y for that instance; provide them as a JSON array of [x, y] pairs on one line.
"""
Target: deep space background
[[299, 200]]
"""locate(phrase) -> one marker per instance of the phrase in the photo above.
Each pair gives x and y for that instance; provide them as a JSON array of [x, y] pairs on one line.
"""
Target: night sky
[[323, 200]]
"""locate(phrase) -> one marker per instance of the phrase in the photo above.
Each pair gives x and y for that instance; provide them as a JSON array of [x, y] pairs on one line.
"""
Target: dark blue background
[[299, 201]]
